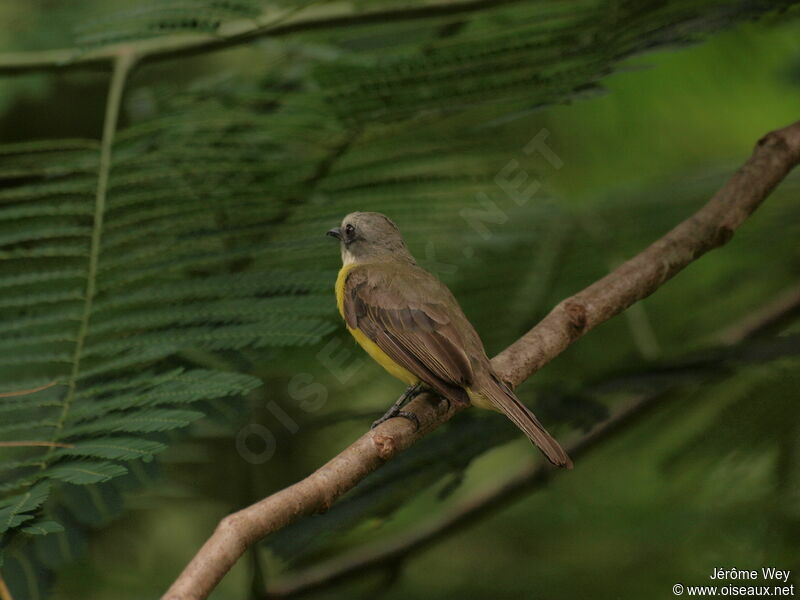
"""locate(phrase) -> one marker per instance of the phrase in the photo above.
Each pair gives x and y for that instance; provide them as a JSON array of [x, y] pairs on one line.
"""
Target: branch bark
[[774, 156], [469, 513], [391, 555]]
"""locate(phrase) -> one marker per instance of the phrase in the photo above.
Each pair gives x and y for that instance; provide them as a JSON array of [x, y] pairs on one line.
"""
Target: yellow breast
[[367, 344]]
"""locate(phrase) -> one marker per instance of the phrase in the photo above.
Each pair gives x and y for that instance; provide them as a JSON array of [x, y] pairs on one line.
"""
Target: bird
[[410, 323]]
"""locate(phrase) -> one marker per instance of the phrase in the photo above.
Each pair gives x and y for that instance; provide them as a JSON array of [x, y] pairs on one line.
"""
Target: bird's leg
[[411, 392]]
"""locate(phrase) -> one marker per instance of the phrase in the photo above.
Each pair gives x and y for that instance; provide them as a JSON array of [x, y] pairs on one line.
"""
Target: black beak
[[335, 232]]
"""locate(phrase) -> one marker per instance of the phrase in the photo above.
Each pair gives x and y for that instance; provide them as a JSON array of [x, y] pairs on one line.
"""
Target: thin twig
[[272, 22], [388, 555], [771, 315], [124, 61], [30, 391], [713, 225]]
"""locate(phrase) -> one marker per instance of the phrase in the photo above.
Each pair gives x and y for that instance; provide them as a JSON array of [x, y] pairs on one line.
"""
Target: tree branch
[[391, 554], [378, 556], [712, 226]]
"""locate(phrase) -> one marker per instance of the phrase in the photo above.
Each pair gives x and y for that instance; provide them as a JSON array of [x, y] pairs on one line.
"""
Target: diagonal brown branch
[[391, 554], [490, 501], [774, 156]]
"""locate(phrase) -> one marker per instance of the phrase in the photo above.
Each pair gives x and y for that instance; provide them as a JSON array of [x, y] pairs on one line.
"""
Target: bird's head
[[369, 237]]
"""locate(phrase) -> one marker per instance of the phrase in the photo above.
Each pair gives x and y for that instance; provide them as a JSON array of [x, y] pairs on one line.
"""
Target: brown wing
[[405, 311], [415, 320]]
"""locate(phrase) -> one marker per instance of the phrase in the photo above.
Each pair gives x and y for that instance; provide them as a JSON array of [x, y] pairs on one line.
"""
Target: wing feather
[[413, 332]]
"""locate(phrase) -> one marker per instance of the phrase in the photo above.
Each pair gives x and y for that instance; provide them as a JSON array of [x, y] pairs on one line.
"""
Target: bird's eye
[[349, 229]]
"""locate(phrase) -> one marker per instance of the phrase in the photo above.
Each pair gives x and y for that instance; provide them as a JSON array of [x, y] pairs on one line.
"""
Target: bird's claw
[[397, 413]]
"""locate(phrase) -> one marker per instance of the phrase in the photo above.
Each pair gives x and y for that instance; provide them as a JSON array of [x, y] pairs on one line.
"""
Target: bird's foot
[[395, 410], [392, 413]]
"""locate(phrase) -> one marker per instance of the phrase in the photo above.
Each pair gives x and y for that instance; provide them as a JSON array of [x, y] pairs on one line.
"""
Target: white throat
[[347, 257]]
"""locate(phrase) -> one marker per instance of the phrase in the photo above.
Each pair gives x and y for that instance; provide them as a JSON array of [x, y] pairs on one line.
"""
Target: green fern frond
[[42, 527], [15, 508], [141, 421], [97, 300], [83, 472], [116, 448], [524, 55], [163, 18]]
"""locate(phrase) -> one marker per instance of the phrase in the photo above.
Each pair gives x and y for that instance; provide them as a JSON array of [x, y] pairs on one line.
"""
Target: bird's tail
[[504, 400]]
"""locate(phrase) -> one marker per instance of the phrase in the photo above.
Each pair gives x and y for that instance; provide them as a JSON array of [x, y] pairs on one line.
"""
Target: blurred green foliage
[[228, 167]]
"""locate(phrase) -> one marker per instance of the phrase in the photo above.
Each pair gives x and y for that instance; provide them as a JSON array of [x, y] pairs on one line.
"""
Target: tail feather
[[506, 402]]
